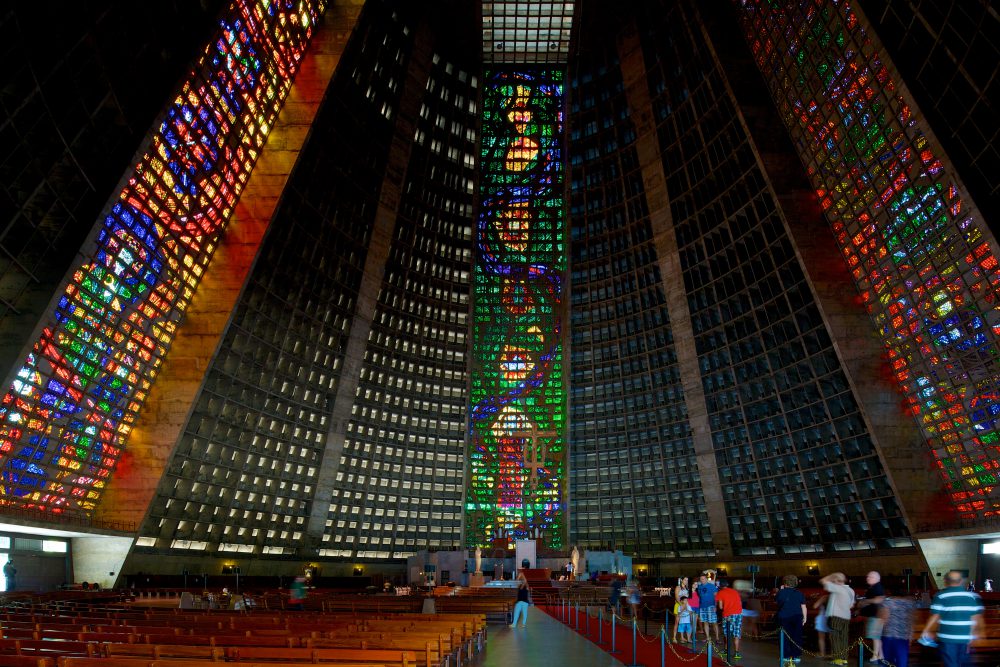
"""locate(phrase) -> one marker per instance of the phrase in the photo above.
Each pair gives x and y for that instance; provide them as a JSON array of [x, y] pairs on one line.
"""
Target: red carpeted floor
[[649, 651]]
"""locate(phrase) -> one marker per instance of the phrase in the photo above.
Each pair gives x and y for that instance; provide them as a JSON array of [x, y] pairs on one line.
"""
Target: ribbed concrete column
[[658, 200], [372, 277], [166, 410]]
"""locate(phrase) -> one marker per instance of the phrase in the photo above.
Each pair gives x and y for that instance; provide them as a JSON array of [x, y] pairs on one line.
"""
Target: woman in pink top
[[694, 602]]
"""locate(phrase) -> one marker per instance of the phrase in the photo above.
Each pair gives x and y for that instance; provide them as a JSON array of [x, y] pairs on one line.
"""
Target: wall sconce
[[722, 572], [813, 570], [358, 571]]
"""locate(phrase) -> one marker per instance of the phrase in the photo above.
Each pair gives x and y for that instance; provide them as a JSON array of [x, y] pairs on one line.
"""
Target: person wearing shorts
[[706, 611], [684, 617], [731, 606]]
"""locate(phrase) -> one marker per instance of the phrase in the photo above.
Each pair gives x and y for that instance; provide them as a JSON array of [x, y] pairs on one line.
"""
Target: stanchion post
[[708, 643], [861, 654], [614, 622], [634, 645], [663, 646], [781, 647], [578, 615], [600, 625]]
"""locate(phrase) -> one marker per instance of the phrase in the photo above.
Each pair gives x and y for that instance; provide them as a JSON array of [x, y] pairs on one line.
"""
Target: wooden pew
[[25, 661], [160, 651], [144, 662], [427, 653], [395, 657], [441, 644], [42, 648], [459, 631]]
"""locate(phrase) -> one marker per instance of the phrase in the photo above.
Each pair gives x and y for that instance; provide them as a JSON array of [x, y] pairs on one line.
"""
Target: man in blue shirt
[[706, 610], [959, 613]]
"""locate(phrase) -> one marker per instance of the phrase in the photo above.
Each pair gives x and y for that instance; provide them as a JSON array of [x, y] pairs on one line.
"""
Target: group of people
[[955, 622], [704, 605], [632, 594], [956, 618]]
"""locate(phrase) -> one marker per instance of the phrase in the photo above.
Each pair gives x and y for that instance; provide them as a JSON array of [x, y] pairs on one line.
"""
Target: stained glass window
[[517, 442], [920, 258], [65, 419]]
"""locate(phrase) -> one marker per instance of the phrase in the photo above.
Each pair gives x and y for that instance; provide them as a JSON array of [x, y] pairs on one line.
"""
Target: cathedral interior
[[335, 284]]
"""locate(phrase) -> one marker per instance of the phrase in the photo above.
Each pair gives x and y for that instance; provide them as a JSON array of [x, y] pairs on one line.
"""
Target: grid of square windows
[[404, 451], [634, 482], [799, 472]]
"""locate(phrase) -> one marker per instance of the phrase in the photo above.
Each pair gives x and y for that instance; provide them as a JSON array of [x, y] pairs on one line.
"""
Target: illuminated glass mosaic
[[517, 451], [921, 260], [66, 418]]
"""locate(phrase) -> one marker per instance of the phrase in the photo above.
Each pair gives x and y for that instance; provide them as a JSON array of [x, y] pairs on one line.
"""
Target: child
[[684, 619]]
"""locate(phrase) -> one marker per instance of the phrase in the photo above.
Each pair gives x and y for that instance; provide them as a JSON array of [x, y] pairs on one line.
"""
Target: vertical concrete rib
[[658, 200]]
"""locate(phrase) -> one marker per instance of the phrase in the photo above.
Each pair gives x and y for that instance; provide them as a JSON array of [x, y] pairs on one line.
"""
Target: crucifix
[[536, 444]]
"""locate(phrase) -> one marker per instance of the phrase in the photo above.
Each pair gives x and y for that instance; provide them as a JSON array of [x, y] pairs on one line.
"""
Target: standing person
[[960, 615], [868, 608], [298, 593], [752, 609], [615, 595], [896, 614], [706, 610], [9, 574], [680, 591], [838, 613], [681, 588], [988, 586], [521, 606], [695, 603], [791, 616], [729, 603], [684, 617], [634, 599], [822, 627]]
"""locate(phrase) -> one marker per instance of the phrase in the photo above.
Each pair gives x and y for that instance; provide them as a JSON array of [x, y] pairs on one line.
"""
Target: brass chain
[[835, 656], [693, 658]]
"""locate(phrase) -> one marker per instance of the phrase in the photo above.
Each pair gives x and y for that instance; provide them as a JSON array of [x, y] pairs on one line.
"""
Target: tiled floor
[[545, 642]]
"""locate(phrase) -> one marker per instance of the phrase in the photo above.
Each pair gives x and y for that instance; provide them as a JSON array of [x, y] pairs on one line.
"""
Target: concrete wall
[[945, 554], [99, 559]]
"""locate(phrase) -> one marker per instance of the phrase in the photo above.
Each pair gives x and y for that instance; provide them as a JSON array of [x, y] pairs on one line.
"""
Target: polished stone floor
[[545, 642]]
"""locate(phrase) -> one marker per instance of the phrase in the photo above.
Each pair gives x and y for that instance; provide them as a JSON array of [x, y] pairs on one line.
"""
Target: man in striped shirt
[[959, 613]]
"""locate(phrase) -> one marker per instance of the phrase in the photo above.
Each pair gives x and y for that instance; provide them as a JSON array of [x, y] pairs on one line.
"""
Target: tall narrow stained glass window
[[517, 450], [917, 252], [66, 417]]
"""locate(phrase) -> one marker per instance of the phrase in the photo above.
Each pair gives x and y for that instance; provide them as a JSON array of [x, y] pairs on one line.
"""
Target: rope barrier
[[844, 655], [709, 646]]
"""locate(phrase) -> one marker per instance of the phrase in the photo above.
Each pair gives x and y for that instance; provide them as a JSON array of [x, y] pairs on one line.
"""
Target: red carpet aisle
[[648, 650]]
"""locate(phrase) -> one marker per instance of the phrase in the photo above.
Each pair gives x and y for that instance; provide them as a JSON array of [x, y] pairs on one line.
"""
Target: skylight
[[526, 31]]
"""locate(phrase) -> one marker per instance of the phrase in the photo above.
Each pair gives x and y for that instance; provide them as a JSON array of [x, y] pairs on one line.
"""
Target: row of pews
[[88, 636]]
